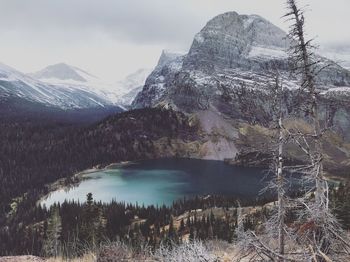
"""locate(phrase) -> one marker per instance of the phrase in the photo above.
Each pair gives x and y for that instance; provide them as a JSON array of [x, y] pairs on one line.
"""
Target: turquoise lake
[[164, 180]]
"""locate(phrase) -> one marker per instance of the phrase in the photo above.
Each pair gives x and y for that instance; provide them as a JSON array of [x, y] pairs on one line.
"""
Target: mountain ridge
[[230, 51], [62, 90]]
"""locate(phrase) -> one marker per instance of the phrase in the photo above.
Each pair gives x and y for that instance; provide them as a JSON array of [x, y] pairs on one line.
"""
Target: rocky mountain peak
[[167, 57], [230, 69], [227, 40], [60, 71]]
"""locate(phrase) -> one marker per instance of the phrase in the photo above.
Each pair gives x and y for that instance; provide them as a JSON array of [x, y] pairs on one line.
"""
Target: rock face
[[227, 40], [230, 70], [160, 80]]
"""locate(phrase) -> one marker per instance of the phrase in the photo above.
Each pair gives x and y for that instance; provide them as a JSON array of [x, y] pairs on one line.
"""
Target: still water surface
[[164, 180]]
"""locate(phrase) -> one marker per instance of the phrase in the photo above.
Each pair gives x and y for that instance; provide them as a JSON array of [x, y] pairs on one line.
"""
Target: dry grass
[[86, 258]]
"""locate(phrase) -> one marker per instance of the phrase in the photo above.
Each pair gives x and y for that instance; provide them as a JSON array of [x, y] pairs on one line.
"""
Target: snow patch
[[199, 38], [267, 52]]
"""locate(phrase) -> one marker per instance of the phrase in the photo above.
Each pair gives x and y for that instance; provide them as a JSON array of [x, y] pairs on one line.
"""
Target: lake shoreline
[[157, 180], [77, 178]]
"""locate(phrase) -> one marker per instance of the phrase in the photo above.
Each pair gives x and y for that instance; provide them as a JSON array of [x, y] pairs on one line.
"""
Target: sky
[[113, 38]]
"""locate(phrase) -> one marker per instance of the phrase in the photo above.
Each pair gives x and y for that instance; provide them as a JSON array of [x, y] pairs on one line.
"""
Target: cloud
[[152, 21], [34, 32]]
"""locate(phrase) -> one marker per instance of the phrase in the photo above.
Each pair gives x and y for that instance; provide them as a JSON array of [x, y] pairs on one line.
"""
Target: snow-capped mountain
[[230, 68], [63, 72], [130, 86], [67, 87], [120, 93], [341, 55], [231, 51], [156, 83], [74, 78], [14, 84]]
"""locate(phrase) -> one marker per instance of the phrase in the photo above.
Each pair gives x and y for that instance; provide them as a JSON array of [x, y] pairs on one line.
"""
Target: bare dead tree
[[278, 183], [320, 234], [280, 178], [316, 235], [264, 247]]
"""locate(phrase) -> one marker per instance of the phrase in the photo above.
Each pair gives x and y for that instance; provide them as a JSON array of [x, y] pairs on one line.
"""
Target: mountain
[[25, 97], [131, 85], [65, 91], [14, 84], [340, 54], [120, 93], [157, 82], [225, 82], [62, 71], [74, 78], [231, 51]]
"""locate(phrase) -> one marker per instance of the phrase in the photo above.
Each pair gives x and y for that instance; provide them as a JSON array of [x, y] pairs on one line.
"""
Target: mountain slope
[[120, 93], [129, 87], [16, 84], [62, 71], [231, 52], [74, 78]]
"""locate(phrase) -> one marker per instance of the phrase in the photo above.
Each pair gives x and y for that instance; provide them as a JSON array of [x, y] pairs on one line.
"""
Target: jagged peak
[[62, 71], [252, 29], [168, 56]]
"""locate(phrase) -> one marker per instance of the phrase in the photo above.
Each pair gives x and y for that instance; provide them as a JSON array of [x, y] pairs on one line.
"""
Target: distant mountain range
[[65, 88], [119, 93], [340, 54]]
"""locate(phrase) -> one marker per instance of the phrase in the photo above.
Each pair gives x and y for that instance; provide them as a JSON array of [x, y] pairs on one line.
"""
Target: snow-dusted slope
[[63, 72], [341, 55], [65, 96], [230, 68], [120, 93], [70, 77], [159, 80], [129, 87], [233, 53]]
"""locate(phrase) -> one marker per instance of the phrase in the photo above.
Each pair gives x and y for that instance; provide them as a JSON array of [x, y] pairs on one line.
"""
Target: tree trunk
[[281, 207]]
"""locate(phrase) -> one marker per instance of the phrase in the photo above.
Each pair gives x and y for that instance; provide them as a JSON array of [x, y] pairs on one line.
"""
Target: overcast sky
[[111, 38]]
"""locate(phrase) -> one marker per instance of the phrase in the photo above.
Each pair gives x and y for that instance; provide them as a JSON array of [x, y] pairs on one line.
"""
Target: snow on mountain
[[129, 87], [340, 55], [169, 64], [120, 93], [65, 96], [62, 71], [264, 52], [71, 77], [230, 69]]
